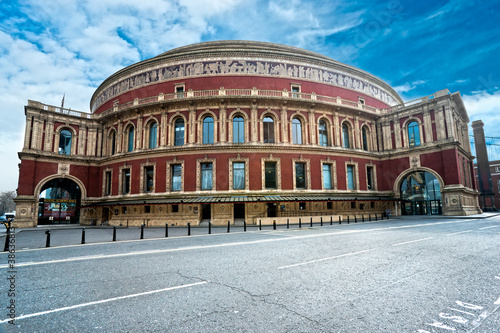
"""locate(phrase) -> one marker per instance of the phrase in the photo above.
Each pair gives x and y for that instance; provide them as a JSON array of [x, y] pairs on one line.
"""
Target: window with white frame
[[327, 177], [238, 129], [206, 176], [268, 123]]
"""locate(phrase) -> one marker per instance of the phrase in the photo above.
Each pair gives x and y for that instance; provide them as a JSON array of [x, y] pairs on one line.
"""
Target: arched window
[[268, 130], [323, 133], [238, 129], [153, 135], [112, 142], [413, 134], [346, 136], [208, 130], [296, 131], [130, 138], [65, 142], [421, 194], [364, 134], [179, 132]]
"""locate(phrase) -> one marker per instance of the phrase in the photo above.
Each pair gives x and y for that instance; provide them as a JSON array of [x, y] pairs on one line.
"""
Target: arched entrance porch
[[420, 193], [59, 202]]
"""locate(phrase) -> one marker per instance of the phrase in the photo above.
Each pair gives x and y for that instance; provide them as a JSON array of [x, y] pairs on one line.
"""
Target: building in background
[[494, 168], [240, 130]]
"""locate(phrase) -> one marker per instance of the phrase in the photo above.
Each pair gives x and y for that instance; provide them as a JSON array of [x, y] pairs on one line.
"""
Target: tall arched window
[[413, 134], [179, 132], [268, 130], [153, 135], [65, 142], [346, 136], [208, 130], [364, 134], [323, 133], [238, 129], [112, 142], [296, 131], [130, 138]]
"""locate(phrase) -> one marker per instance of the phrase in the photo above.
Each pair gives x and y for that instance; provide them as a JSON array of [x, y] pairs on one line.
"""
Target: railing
[[417, 101], [213, 93]]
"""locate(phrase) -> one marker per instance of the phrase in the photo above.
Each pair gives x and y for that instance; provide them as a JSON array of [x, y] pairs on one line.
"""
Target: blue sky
[[56, 47]]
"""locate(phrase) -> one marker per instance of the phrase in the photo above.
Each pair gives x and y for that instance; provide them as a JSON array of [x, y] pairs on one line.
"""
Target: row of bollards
[[48, 232]]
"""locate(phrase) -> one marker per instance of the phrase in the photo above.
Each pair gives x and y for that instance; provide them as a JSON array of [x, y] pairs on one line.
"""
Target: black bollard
[[209, 227], [382, 216], [228, 226], [376, 217], [166, 229], [348, 219], [288, 223], [340, 220], [274, 224], [114, 233], [189, 229], [300, 223], [47, 243], [260, 224], [369, 217], [142, 231], [363, 218], [331, 220], [244, 225], [83, 235], [7, 238], [321, 221], [311, 222], [355, 219]]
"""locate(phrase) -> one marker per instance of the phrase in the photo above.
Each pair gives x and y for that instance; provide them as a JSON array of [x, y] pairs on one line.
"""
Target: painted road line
[[458, 233], [413, 241], [104, 301], [488, 227], [324, 259]]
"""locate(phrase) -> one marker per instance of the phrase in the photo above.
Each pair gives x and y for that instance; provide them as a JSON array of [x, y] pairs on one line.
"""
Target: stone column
[[427, 125], [284, 124], [397, 134], [223, 123], [254, 123], [192, 124]]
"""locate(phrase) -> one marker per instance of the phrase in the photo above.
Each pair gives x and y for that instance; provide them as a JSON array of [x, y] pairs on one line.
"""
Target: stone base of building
[[26, 212], [460, 201]]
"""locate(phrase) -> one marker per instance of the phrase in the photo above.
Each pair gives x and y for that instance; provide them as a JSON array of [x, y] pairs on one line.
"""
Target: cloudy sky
[[49, 48]]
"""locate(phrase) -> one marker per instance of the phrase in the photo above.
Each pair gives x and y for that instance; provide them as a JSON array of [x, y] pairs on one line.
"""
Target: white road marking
[[472, 314], [457, 233], [323, 259], [488, 227], [413, 241], [103, 301], [329, 234], [497, 302]]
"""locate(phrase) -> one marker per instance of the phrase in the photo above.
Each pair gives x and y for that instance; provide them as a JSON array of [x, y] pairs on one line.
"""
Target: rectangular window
[[302, 205], [295, 91], [350, 177], [179, 90], [176, 177], [126, 181], [107, 189], [270, 175], [238, 175], [353, 204], [149, 176], [498, 183], [300, 175], [206, 176], [329, 205], [124, 210], [497, 169], [369, 178], [147, 209], [327, 176], [175, 208], [372, 204]]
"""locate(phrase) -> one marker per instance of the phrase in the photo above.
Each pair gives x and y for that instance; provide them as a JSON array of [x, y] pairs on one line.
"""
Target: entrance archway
[[421, 194], [59, 202]]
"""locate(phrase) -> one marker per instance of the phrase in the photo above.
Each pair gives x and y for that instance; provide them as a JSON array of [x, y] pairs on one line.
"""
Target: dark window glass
[[126, 181], [179, 132], [153, 131], [350, 177], [113, 143], [180, 92], [345, 136], [206, 176], [65, 142], [176, 177], [323, 134], [327, 176], [238, 176], [296, 131], [175, 208], [300, 175], [208, 130], [149, 173], [238, 130], [130, 139], [270, 175], [108, 183], [365, 138], [268, 130], [413, 134], [369, 177]]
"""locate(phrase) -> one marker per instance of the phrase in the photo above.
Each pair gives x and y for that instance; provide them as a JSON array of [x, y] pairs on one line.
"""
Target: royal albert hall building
[[238, 130]]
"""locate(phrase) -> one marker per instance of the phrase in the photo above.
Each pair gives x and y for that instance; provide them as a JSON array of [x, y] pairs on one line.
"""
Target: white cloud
[[408, 86]]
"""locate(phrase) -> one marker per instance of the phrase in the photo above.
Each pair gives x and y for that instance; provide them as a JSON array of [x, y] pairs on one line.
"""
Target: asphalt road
[[404, 275]]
